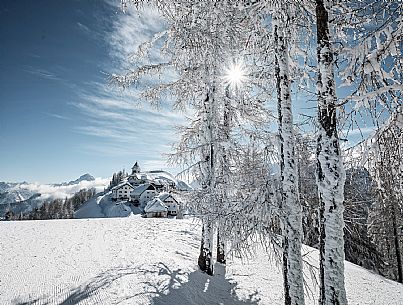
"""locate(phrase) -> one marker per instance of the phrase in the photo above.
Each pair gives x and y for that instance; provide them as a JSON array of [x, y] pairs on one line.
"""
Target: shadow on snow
[[198, 288], [162, 286]]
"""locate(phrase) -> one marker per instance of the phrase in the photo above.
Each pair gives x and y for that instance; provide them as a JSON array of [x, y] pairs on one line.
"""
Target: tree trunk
[[224, 176], [330, 172], [220, 246], [205, 260], [290, 205], [397, 246]]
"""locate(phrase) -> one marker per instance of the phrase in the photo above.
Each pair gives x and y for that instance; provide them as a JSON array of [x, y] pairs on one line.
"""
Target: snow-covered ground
[[102, 205], [163, 176], [136, 260]]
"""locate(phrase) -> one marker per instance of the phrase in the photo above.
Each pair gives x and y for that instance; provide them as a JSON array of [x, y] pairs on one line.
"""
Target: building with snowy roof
[[156, 208], [170, 202], [143, 194], [122, 191]]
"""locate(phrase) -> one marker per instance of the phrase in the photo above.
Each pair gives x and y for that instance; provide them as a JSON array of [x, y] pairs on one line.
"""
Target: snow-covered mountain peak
[[85, 177]]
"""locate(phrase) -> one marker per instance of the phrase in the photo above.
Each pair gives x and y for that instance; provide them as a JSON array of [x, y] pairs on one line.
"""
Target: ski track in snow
[[145, 261]]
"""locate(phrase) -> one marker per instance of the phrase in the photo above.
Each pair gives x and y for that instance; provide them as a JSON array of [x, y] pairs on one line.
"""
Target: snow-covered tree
[[330, 170], [359, 197], [367, 38], [369, 47], [200, 39], [290, 204], [117, 178], [387, 213], [305, 151]]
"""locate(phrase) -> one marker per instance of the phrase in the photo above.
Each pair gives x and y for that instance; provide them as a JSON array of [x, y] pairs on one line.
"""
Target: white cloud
[[42, 73], [49, 191], [121, 123], [130, 30], [127, 126], [107, 150], [57, 116], [84, 28]]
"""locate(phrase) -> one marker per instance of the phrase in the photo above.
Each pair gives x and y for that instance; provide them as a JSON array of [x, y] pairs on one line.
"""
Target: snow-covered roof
[[163, 196], [121, 185], [158, 182], [141, 176], [136, 175], [155, 206], [166, 177], [141, 188]]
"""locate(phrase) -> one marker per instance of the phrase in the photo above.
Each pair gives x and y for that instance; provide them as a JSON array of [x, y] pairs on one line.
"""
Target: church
[[136, 177]]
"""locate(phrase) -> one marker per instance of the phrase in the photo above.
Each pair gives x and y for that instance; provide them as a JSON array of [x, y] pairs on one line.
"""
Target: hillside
[[102, 206], [163, 176], [145, 261], [24, 197]]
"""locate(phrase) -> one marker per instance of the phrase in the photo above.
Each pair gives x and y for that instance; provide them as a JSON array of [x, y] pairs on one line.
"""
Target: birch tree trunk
[[205, 260], [330, 171], [224, 175], [220, 245], [291, 208], [206, 252]]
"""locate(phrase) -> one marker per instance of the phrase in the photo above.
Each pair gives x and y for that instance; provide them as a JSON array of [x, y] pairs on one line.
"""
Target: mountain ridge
[[24, 197]]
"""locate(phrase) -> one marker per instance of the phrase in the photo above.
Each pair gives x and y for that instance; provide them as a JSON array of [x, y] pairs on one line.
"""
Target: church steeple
[[135, 168]]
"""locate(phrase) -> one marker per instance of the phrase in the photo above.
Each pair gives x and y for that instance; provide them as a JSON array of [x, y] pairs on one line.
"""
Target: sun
[[235, 75]]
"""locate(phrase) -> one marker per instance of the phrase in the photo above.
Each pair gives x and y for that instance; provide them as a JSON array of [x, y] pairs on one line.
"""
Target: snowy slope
[[23, 206], [102, 205], [165, 176], [14, 192], [138, 260]]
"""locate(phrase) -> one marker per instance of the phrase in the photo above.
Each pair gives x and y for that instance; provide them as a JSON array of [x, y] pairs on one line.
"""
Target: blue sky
[[58, 117]]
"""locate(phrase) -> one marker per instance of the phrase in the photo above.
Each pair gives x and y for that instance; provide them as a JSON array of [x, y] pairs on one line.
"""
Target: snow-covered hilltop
[[136, 193], [25, 198]]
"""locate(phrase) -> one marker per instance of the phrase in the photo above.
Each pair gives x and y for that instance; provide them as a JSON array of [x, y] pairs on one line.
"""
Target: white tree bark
[[205, 260], [291, 208], [330, 171]]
